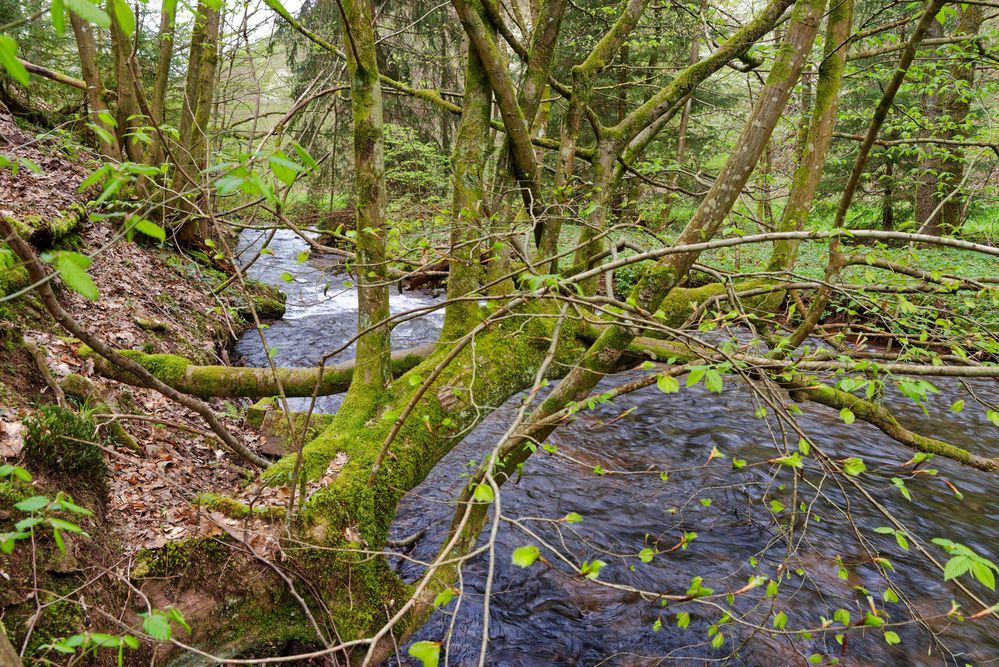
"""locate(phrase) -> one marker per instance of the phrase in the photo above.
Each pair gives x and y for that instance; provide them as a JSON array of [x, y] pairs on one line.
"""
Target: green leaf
[[668, 384], [157, 626], [646, 555], [984, 575], [718, 640], [8, 58], [484, 493], [793, 460], [150, 229], [892, 637], [525, 556], [572, 517], [695, 376], [846, 414], [444, 597], [429, 653], [776, 506], [853, 466], [287, 277], [957, 406], [89, 12], [124, 16], [57, 12], [72, 268], [304, 156], [592, 570], [32, 504], [66, 525], [780, 620], [683, 619], [713, 381], [900, 485], [284, 169], [873, 621]]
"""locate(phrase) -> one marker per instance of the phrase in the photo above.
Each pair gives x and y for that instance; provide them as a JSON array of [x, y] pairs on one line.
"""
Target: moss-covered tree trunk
[[815, 147], [471, 145], [372, 371], [954, 106]]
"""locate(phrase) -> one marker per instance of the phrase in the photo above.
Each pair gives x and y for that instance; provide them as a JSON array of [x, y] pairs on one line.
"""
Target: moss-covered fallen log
[[233, 381], [801, 389]]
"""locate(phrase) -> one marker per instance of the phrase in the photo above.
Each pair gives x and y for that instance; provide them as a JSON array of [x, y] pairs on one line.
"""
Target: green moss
[[61, 618], [45, 230], [235, 509], [65, 443], [177, 557]]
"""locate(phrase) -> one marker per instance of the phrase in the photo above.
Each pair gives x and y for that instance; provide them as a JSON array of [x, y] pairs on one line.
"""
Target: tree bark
[[158, 103], [96, 98], [373, 370], [192, 155], [954, 104], [928, 185], [815, 147], [127, 115]]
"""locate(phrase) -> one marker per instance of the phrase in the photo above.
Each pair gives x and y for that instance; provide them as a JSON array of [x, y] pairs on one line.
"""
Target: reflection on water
[[542, 616]]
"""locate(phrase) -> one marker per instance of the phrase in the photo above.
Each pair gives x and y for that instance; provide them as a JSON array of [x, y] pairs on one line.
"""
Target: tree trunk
[[128, 116], [192, 156], [927, 193], [471, 148], [954, 104], [373, 370], [158, 103], [87, 46], [812, 161]]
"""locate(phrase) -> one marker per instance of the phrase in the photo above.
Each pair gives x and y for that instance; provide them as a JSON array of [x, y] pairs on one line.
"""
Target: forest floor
[[176, 481]]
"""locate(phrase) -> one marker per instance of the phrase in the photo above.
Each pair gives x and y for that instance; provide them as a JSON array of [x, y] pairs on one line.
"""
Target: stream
[[542, 616]]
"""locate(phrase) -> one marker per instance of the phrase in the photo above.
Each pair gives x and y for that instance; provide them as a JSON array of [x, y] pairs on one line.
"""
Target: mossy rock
[[44, 231]]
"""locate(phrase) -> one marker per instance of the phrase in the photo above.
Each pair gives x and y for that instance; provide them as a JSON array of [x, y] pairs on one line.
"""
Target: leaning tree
[[531, 241]]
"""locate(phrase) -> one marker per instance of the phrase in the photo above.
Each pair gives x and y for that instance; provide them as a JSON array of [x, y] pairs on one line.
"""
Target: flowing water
[[542, 616]]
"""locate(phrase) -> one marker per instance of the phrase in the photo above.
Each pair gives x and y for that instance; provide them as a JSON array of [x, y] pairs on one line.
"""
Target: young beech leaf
[[525, 556], [444, 597], [150, 229], [853, 466], [846, 414], [72, 268], [429, 653], [157, 626], [89, 12], [668, 384], [484, 493]]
